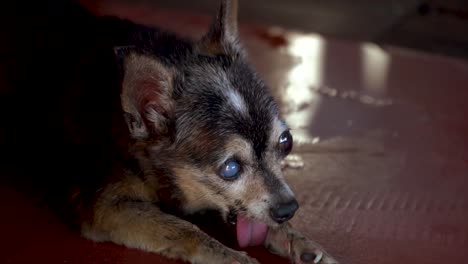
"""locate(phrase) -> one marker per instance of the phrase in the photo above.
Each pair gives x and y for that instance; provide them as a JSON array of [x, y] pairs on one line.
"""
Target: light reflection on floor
[[299, 99], [375, 66], [306, 85]]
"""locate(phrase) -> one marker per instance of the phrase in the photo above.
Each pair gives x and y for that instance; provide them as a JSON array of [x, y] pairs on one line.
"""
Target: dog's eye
[[286, 142], [230, 170]]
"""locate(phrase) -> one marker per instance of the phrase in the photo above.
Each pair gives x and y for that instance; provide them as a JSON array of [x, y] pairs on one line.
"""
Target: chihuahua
[[155, 127]]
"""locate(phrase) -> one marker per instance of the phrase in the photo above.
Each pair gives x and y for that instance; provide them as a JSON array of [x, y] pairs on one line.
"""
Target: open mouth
[[249, 232]]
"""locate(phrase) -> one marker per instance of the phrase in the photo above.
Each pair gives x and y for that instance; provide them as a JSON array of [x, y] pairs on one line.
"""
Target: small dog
[[154, 127]]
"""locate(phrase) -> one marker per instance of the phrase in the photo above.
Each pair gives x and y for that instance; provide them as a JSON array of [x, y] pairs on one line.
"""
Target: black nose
[[285, 211]]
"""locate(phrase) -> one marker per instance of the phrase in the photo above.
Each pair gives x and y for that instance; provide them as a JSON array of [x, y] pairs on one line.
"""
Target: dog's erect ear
[[222, 37], [146, 93]]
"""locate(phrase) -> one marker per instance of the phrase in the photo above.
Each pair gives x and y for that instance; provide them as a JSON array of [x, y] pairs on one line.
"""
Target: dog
[[150, 128]]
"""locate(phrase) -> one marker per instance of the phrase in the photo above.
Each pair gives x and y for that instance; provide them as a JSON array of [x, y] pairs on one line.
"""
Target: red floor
[[384, 146]]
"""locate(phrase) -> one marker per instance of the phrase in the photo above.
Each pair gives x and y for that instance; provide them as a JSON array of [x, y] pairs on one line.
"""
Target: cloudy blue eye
[[230, 170]]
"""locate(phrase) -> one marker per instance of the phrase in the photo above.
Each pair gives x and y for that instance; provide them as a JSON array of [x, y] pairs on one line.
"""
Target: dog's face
[[215, 125], [230, 141]]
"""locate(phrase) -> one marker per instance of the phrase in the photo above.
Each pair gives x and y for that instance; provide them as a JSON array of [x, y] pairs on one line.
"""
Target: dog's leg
[[287, 242], [142, 225]]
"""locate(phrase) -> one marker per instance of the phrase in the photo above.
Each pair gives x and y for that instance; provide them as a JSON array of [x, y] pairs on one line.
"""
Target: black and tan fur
[[142, 120]]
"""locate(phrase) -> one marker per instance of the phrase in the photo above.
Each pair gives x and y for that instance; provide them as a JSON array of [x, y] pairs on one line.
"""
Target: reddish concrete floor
[[382, 133]]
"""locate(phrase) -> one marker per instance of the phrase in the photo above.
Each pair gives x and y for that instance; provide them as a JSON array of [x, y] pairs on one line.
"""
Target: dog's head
[[213, 125]]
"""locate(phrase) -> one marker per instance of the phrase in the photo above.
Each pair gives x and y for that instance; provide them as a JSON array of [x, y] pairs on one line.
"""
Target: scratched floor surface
[[381, 160]]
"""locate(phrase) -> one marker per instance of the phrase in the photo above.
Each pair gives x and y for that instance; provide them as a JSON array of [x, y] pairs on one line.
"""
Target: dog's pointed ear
[[146, 95], [223, 35]]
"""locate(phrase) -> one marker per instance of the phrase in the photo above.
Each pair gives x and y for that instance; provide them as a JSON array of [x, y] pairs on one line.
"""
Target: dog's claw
[[318, 257], [312, 257], [308, 252], [308, 257]]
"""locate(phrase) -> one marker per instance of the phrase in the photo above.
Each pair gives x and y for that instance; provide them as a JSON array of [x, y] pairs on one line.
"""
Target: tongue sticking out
[[250, 233]]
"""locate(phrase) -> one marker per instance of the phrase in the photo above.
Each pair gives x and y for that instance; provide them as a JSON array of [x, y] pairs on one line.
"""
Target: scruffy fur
[[142, 123]]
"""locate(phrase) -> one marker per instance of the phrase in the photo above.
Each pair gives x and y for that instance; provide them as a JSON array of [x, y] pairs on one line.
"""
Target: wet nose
[[284, 211]]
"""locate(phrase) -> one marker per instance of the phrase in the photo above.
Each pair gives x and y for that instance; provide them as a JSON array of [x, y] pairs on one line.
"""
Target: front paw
[[305, 251], [289, 243]]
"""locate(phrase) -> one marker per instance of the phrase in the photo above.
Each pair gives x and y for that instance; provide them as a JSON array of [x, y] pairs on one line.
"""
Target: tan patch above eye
[[237, 146]]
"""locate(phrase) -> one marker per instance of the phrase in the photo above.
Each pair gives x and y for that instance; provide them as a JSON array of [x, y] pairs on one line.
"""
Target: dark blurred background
[[438, 26]]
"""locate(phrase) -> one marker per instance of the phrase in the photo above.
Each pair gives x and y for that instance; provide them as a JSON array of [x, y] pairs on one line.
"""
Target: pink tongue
[[250, 233]]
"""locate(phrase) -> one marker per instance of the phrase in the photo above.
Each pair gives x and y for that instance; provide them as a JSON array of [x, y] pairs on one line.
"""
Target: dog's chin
[[250, 231]]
